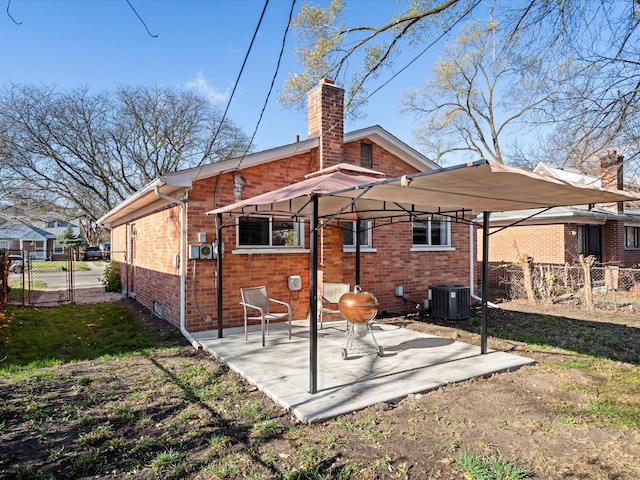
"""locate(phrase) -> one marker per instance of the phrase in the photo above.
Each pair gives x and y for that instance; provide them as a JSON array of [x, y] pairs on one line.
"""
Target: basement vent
[[157, 309]]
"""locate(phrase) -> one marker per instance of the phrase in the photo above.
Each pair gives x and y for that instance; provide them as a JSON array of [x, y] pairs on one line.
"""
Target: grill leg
[[350, 335], [350, 330], [379, 349]]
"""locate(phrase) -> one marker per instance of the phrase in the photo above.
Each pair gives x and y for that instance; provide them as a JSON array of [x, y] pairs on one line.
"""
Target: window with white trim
[[58, 248], [432, 232], [349, 237], [4, 244], [257, 232], [632, 237]]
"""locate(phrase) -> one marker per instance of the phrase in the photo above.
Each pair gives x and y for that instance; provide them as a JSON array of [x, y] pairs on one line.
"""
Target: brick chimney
[[325, 119], [611, 175]]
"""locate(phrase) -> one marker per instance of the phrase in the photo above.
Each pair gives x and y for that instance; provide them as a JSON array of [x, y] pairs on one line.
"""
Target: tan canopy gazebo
[[353, 193]]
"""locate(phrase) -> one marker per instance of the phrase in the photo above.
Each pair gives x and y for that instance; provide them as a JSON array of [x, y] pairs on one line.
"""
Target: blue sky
[[200, 44]]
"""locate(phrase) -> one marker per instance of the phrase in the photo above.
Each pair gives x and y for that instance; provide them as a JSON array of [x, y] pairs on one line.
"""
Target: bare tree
[[78, 154], [476, 95], [327, 48], [599, 105], [595, 108]]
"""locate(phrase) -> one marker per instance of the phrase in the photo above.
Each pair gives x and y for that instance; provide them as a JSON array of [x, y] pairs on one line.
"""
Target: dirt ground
[[539, 417]]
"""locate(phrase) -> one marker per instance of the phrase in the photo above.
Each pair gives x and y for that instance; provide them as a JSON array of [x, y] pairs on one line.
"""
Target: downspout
[[183, 267], [472, 263]]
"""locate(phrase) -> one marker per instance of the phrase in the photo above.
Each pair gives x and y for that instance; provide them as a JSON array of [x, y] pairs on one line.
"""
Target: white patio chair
[[255, 300], [331, 293]]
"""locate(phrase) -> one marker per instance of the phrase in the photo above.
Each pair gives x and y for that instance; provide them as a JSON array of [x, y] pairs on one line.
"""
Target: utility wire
[[273, 81], [9, 13], [440, 37], [235, 86], [142, 21]]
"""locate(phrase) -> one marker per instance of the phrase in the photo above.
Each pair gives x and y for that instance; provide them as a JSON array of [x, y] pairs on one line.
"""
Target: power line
[[440, 37], [9, 13], [273, 80], [235, 86], [142, 21]]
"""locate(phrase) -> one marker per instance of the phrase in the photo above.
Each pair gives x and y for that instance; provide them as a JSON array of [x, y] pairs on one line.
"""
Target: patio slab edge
[[280, 370]]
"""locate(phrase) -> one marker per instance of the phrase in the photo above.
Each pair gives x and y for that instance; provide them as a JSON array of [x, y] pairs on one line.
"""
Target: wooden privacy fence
[[586, 284]]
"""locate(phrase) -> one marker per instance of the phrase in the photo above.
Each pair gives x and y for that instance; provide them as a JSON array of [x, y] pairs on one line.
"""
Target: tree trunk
[[586, 267], [528, 283]]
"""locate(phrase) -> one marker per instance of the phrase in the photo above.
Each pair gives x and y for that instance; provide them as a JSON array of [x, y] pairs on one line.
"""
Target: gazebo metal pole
[[219, 271], [485, 281], [313, 296], [358, 230]]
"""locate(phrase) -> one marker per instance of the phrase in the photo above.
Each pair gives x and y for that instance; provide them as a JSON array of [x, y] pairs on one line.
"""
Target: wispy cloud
[[201, 84]]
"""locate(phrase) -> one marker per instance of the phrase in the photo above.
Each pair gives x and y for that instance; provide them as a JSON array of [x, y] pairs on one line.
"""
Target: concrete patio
[[413, 362]]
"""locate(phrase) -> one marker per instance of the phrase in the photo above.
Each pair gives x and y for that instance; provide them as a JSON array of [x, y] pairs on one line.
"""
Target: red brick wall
[[545, 243], [418, 271], [395, 264], [156, 241], [381, 159], [554, 244], [150, 251], [613, 249], [325, 119], [631, 258], [241, 270]]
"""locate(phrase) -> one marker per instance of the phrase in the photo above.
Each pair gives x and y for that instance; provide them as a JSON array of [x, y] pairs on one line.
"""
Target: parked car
[[17, 264], [92, 253]]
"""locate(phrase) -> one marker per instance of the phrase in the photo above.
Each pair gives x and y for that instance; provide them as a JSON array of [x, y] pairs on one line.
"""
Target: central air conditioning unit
[[450, 302], [206, 251]]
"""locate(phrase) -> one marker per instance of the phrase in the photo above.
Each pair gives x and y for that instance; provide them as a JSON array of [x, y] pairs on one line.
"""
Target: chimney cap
[[327, 81]]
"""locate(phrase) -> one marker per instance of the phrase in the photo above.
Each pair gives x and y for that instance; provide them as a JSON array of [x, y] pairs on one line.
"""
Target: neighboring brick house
[[157, 269], [560, 234], [36, 238]]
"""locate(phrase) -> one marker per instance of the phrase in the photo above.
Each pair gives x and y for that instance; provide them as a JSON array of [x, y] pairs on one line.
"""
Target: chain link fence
[[612, 287], [70, 279]]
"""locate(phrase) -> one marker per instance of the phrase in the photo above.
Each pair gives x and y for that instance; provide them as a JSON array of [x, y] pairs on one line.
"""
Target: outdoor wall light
[[574, 232], [399, 291]]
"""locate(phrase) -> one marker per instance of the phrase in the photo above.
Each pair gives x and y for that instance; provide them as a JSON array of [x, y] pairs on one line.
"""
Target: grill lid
[[358, 306]]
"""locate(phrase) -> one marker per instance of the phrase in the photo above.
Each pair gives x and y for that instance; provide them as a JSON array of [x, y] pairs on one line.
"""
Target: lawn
[[49, 336], [57, 265], [108, 391], [17, 292]]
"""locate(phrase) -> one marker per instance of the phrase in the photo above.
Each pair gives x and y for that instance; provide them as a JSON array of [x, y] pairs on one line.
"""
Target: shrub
[[111, 278]]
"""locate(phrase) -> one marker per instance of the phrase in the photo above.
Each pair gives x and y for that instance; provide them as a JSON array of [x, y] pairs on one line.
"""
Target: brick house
[[156, 229], [560, 234]]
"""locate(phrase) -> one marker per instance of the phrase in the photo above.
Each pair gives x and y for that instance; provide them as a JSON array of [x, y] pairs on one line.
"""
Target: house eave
[[556, 215], [139, 203], [187, 177], [174, 184], [145, 200]]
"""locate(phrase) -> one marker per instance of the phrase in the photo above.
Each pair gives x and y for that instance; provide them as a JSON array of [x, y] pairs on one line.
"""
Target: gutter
[[136, 196], [472, 261], [183, 267]]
